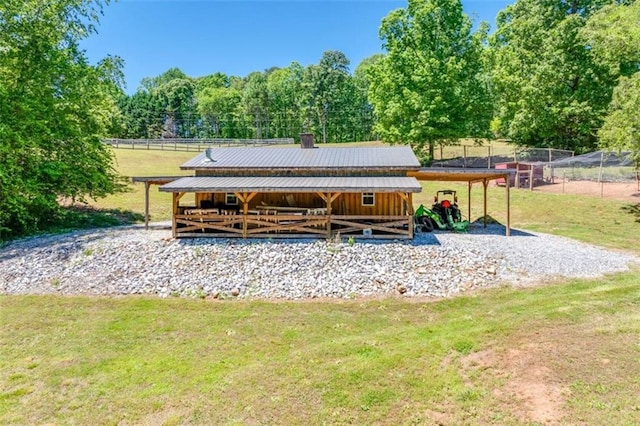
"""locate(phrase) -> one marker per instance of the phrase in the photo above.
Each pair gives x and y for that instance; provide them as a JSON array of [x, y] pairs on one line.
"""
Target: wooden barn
[[296, 193]]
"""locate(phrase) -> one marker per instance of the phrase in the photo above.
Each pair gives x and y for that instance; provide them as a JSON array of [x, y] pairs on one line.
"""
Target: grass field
[[567, 352]]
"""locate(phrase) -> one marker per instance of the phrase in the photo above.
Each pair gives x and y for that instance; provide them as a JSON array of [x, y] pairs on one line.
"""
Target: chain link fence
[[600, 173], [486, 157]]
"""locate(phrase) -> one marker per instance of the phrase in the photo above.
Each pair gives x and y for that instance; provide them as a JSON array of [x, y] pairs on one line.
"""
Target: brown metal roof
[[322, 158], [460, 175], [293, 184], [157, 180]]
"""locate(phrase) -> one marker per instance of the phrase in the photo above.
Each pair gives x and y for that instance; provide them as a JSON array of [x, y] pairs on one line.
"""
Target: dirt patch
[[629, 192], [528, 389], [550, 375]]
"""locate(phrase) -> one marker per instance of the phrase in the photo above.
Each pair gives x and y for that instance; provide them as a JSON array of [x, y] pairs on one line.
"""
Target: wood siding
[[386, 204]]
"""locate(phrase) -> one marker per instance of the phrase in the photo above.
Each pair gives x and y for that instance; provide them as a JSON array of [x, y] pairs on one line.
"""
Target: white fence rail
[[191, 144]]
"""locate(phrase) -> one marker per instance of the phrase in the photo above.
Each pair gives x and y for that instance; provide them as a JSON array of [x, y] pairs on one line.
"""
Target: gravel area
[[130, 260]]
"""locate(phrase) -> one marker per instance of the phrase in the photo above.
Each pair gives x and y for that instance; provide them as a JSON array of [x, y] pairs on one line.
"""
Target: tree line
[[553, 73], [324, 99]]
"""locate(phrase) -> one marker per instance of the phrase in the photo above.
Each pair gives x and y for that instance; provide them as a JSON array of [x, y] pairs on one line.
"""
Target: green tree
[[430, 86], [150, 84], [212, 81], [255, 99], [141, 116], [550, 91], [178, 105], [621, 128], [219, 108], [613, 35], [54, 108], [324, 89], [284, 87], [363, 114]]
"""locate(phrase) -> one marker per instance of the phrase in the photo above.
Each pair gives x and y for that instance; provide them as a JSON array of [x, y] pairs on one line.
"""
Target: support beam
[[245, 197], [146, 205], [508, 211], [328, 199], [174, 224], [485, 183], [245, 212], [410, 205], [469, 201]]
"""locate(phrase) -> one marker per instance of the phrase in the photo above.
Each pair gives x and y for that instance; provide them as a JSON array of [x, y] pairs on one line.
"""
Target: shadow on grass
[[632, 209], [80, 217], [86, 217]]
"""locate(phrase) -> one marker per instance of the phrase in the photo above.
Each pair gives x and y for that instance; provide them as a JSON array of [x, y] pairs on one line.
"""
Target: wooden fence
[[196, 145]]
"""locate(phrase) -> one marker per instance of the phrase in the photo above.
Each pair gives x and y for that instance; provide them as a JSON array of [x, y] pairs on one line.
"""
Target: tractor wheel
[[427, 223]]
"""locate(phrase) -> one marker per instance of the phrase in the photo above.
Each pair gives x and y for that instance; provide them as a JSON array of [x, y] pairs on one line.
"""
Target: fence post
[[464, 156], [488, 157], [601, 162]]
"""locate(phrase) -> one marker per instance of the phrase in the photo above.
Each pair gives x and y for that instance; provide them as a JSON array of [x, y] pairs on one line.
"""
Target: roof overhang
[[460, 175], [293, 184]]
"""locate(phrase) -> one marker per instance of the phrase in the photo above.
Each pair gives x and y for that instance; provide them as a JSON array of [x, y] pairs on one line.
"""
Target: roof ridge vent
[[209, 154]]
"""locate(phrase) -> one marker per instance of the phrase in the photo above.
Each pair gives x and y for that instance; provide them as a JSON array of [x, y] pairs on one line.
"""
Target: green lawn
[[567, 352]]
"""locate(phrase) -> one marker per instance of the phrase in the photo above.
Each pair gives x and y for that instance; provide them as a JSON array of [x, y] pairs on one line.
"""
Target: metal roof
[[399, 157], [293, 184], [460, 175]]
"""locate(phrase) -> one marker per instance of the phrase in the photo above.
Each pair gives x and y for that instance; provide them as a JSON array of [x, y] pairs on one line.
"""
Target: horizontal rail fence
[[191, 144]]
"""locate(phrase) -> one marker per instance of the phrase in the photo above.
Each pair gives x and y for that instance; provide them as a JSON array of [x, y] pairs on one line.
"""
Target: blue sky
[[238, 37]]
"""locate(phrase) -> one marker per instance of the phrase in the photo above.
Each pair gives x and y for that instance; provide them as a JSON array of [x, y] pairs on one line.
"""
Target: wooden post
[[508, 212], [485, 183], [469, 201], [328, 215], [146, 205], [245, 213], [410, 207], [464, 156], [174, 224], [531, 177]]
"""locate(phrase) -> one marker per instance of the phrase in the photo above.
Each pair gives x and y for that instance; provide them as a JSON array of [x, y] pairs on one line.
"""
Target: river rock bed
[[130, 260]]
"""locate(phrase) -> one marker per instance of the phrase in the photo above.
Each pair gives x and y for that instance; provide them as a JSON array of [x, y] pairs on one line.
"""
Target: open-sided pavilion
[[314, 192]]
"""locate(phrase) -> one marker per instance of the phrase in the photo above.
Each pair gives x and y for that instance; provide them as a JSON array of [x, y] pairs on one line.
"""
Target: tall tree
[[54, 107], [429, 87], [177, 102], [284, 88], [363, 114], [220, 107], [323, 87], [550, 90], [255, 98], [613, 35]]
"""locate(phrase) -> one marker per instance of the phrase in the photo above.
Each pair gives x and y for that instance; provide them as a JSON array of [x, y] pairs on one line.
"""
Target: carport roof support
[[470, 176], [148, 181]]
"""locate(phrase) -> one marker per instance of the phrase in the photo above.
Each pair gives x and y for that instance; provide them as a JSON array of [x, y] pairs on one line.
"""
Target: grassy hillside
[[563, 353]]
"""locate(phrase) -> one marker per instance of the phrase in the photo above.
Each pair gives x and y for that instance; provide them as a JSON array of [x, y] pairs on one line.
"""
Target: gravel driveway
[[130, 260]]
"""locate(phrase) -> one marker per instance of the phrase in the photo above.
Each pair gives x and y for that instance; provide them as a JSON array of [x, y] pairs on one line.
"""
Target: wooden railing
[[204, 224]]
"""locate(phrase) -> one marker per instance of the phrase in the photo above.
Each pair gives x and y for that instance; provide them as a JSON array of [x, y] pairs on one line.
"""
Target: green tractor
[[443, 214]]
